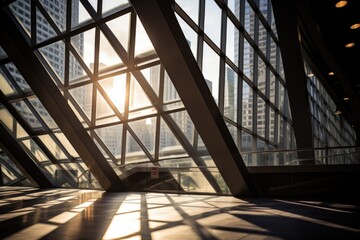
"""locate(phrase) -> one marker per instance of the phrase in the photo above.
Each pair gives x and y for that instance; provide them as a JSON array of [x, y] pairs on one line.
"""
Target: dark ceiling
[[334, 24], [327, 31]]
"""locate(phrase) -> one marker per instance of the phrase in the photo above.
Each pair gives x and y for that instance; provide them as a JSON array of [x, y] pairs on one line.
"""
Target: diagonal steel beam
[[152, 96], [22, 160], [17, 48], [287, 26], [165, 33]]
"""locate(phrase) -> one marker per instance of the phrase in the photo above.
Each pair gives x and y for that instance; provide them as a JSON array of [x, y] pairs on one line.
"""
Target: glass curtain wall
[[236, 46], [10, 175], [101, 59], [330, 128]]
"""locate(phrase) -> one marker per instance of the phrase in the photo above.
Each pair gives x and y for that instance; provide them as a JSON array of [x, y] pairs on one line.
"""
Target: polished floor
[[28, 213]]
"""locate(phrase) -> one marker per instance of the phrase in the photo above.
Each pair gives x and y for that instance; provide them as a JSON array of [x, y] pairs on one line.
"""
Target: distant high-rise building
[[54, 53]]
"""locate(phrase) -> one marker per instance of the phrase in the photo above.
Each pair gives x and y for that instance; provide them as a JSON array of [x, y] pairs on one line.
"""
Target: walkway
[[29, 213]]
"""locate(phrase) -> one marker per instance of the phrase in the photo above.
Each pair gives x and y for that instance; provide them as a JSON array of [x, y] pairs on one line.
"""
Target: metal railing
[[314, 156], [282, 157], [181, 174]]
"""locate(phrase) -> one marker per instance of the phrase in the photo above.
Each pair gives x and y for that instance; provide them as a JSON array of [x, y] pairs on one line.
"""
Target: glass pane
[[232, 42], [79, 14], [212, 25], [107, 55], [272, 23], [137, 113], [288, 111], [121, 28], [40, 109], [260, 158], [101, 148], [104, 113], [247, 106], [7, 175], [44, 31], [191, 8], [281, 98], [138, 98], [234, 132], [143, 45], [246, 146], [152, 75], [262, 41], [111, 4], [210, 70], [35, 150], [234, 6], [249, 20], [261, 116], [53, 147], [200, 144], [272, 121], [55, 56], [281, 67], [2, 53], [169, 146], [190, 35], [230, 95], [184, 122], [51, 169], [21, 10], [145, 130], [193, 180], [272, 87], [115, 88], [83, 97], [66, 176], [263, 6], [112, 138], [67, 145], [134, 153], [261, 77], [57, 11], [76, 72], [6, 86], [27, 114], [20, 81], [248, 65], [273, 52], [84, 44], [280, 132], [7, 119], [170, 93]]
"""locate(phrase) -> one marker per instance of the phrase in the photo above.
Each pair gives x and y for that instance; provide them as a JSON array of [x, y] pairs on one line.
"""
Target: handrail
[[258, 152], [323, 157], [300, 149], [149, 161]]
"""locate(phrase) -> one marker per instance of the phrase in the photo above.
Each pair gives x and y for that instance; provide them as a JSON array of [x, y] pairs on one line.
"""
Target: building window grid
[[265, 57], [329, 130], [93, 79]]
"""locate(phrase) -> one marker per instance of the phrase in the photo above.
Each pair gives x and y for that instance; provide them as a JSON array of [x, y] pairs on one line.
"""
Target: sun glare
[[117, 92]]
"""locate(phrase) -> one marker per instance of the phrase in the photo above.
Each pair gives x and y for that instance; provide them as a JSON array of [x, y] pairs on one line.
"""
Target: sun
[[117, 92]]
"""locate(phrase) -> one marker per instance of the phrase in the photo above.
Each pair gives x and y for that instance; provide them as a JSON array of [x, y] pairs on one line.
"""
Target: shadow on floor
[[27, 213]]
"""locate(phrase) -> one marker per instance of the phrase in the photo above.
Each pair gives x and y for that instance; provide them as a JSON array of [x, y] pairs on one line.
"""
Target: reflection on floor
[[29, 213]]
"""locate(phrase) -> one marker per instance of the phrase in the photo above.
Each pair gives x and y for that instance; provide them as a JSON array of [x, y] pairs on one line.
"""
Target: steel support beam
[[17, 48], [165, 33], [22, 161], [287, 26], [1, 175]]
